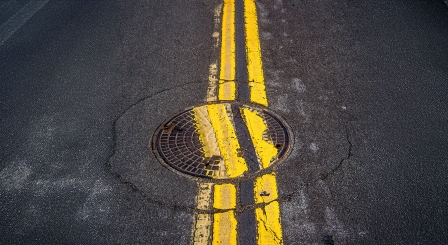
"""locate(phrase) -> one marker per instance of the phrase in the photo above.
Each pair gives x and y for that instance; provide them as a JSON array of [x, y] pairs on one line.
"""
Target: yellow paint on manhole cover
[[206, 141]]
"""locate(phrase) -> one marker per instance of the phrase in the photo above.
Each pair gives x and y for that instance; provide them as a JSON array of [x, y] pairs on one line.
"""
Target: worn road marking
[[268, 217], [224, 196], [226, 139], [207, 136], [203, 224], [224, 223], [224, 228], [265, 189], [213, 80], [253, 50], [8, 28], [203, 221], [217, 135], [205, 196], [268, 224], [256, 125], [206, 132], [217, 24], [227, 86]]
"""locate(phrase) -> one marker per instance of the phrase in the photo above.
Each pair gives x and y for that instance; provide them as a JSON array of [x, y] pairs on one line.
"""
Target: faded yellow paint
[[224, 224], [204, 196], [224, 196], [206, 132], [253, 51], [265, 188], [212, 91], [226, 139], [269, 227], [208, 140], [217, 21], [203, 222], [264, 147], [202, 229], [224, 228], [212, 82], [227, 87]]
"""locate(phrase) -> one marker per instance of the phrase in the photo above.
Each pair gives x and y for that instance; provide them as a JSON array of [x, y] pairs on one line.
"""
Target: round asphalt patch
[[136, 164]]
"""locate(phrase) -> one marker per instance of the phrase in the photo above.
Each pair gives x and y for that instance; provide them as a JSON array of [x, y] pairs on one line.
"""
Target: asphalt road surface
[[363, 86]]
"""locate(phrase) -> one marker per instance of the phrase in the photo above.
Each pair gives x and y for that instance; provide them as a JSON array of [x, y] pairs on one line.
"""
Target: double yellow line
[[216, 219], [227, 83]]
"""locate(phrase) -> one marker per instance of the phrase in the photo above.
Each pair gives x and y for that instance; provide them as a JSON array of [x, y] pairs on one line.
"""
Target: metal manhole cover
[[222, 141]]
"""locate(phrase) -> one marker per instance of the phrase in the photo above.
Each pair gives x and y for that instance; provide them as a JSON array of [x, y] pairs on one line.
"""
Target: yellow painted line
[[224, 223], [224, 228], [202, 229], [217, 24], [224, 196], [206, 132], [212, 82], [268, 224], [269, 227], [227, 90], [227, 86], [204, 197], [264, 147], [203, 222], [265, 189], [208, 139], [226, 139], [253, 51], [218, 137]]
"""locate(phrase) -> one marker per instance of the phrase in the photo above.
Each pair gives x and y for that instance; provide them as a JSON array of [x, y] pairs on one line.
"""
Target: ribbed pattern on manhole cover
[[177, 141]]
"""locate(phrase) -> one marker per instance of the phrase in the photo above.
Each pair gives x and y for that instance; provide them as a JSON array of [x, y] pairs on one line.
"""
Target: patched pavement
[[360, 86]]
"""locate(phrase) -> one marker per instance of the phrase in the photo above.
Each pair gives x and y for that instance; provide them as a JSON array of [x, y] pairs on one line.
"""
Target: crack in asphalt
[[322, 176], [347, 156], [151, 199], [263, 221], [111, 169]]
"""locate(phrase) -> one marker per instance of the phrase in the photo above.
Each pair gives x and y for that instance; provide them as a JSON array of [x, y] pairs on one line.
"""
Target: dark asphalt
[[363, 85]]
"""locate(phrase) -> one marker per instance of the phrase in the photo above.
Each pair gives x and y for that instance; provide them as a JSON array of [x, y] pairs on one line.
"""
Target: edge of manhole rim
[[272, 168]]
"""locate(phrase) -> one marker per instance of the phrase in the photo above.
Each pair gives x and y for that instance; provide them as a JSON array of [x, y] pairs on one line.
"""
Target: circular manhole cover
[[222, 140]]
